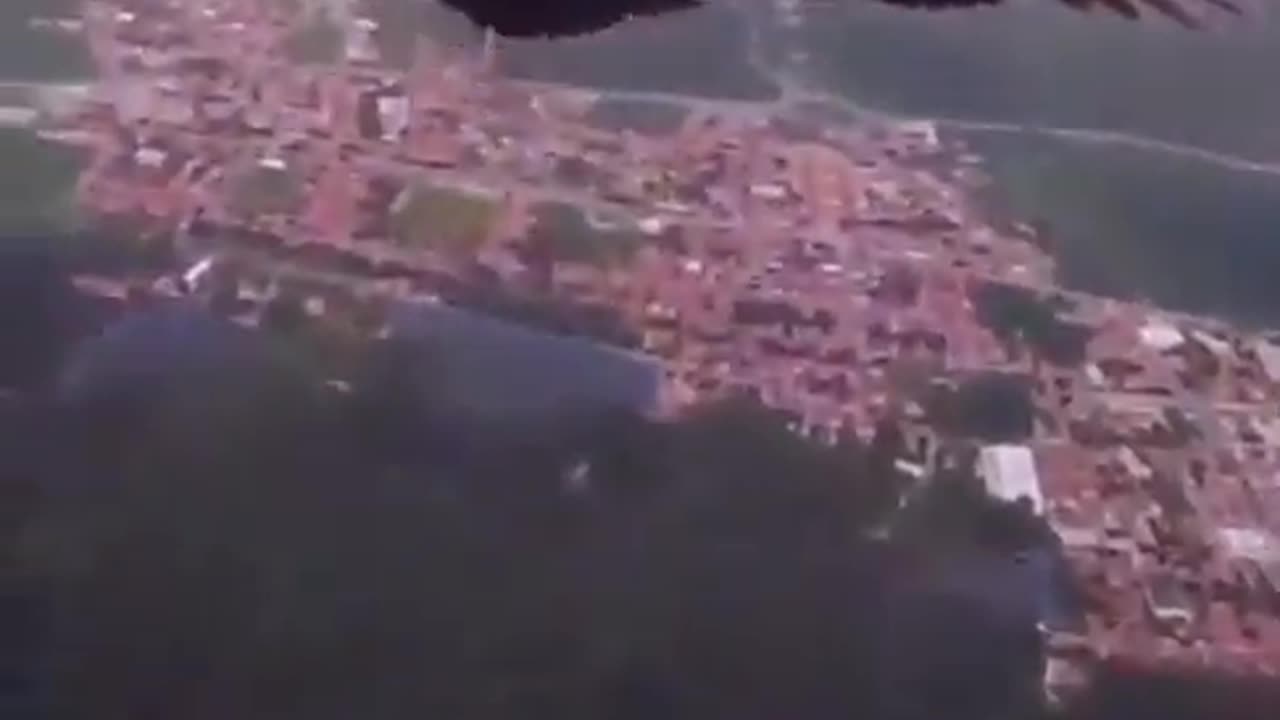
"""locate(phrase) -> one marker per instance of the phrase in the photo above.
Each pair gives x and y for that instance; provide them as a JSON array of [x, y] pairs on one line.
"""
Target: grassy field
[[318, 42], [563, 232], [702, 51], [1127, 223], [39, 190], [1038, 63], [402, 22], [32, 54], [442, 219], [264, 191], [648, 118]]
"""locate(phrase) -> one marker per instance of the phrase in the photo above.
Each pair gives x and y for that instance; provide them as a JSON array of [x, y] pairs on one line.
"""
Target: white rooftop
[[1009, 474], [150, 157], [1160, 335], [1250, 543], [1269, 356]]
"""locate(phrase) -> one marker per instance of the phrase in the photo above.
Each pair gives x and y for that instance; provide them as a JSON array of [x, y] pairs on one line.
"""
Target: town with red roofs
[[841, 273]]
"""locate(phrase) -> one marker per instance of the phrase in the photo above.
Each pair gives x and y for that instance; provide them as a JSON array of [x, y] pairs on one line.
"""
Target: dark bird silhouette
[[554, 18]]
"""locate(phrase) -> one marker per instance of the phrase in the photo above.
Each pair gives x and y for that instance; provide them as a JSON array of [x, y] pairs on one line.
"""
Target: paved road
[[793, 90], [795, 96], [56, 98], [19, 117], [63, 87]]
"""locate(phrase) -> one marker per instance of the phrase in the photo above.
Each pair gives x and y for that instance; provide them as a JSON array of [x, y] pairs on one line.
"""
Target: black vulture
[[518, 18]]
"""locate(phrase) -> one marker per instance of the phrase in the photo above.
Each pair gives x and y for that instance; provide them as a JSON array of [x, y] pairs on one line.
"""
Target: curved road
[[792, 92], [1098, 136], [792, 96], [1113, 137]]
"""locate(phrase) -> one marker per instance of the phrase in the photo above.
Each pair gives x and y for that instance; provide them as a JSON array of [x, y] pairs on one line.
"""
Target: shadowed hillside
[[218, 533]]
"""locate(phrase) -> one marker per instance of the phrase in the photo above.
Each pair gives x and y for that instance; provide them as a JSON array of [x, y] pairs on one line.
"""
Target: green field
[[1123, 222], [318, 42], [402, 22], [265, 191], [564, 234], [39, 193], [442, 219], [1039, 63], [36, 54], [648, 118]]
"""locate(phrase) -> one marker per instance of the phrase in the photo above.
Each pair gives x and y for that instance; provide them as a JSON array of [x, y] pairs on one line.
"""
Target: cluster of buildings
[[828, 272], [1159, 476]]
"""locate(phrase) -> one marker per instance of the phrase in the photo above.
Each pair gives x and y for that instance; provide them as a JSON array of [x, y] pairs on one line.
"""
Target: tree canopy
[[237, 539]]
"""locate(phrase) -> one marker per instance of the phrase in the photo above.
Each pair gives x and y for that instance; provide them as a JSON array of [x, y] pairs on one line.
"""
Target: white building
[[393, 114], [1094, 375], [1254, 545], [922, 130], [1009, 474], [1133, 464], [1216, 345], [768, 191], [1249, 543], [191, 278], [1160, 335], [652, 225], [1269, 357], [272, 162], [150, 157]]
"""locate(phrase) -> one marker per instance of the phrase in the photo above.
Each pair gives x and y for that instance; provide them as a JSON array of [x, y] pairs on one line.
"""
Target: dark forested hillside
[[220, 535]]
